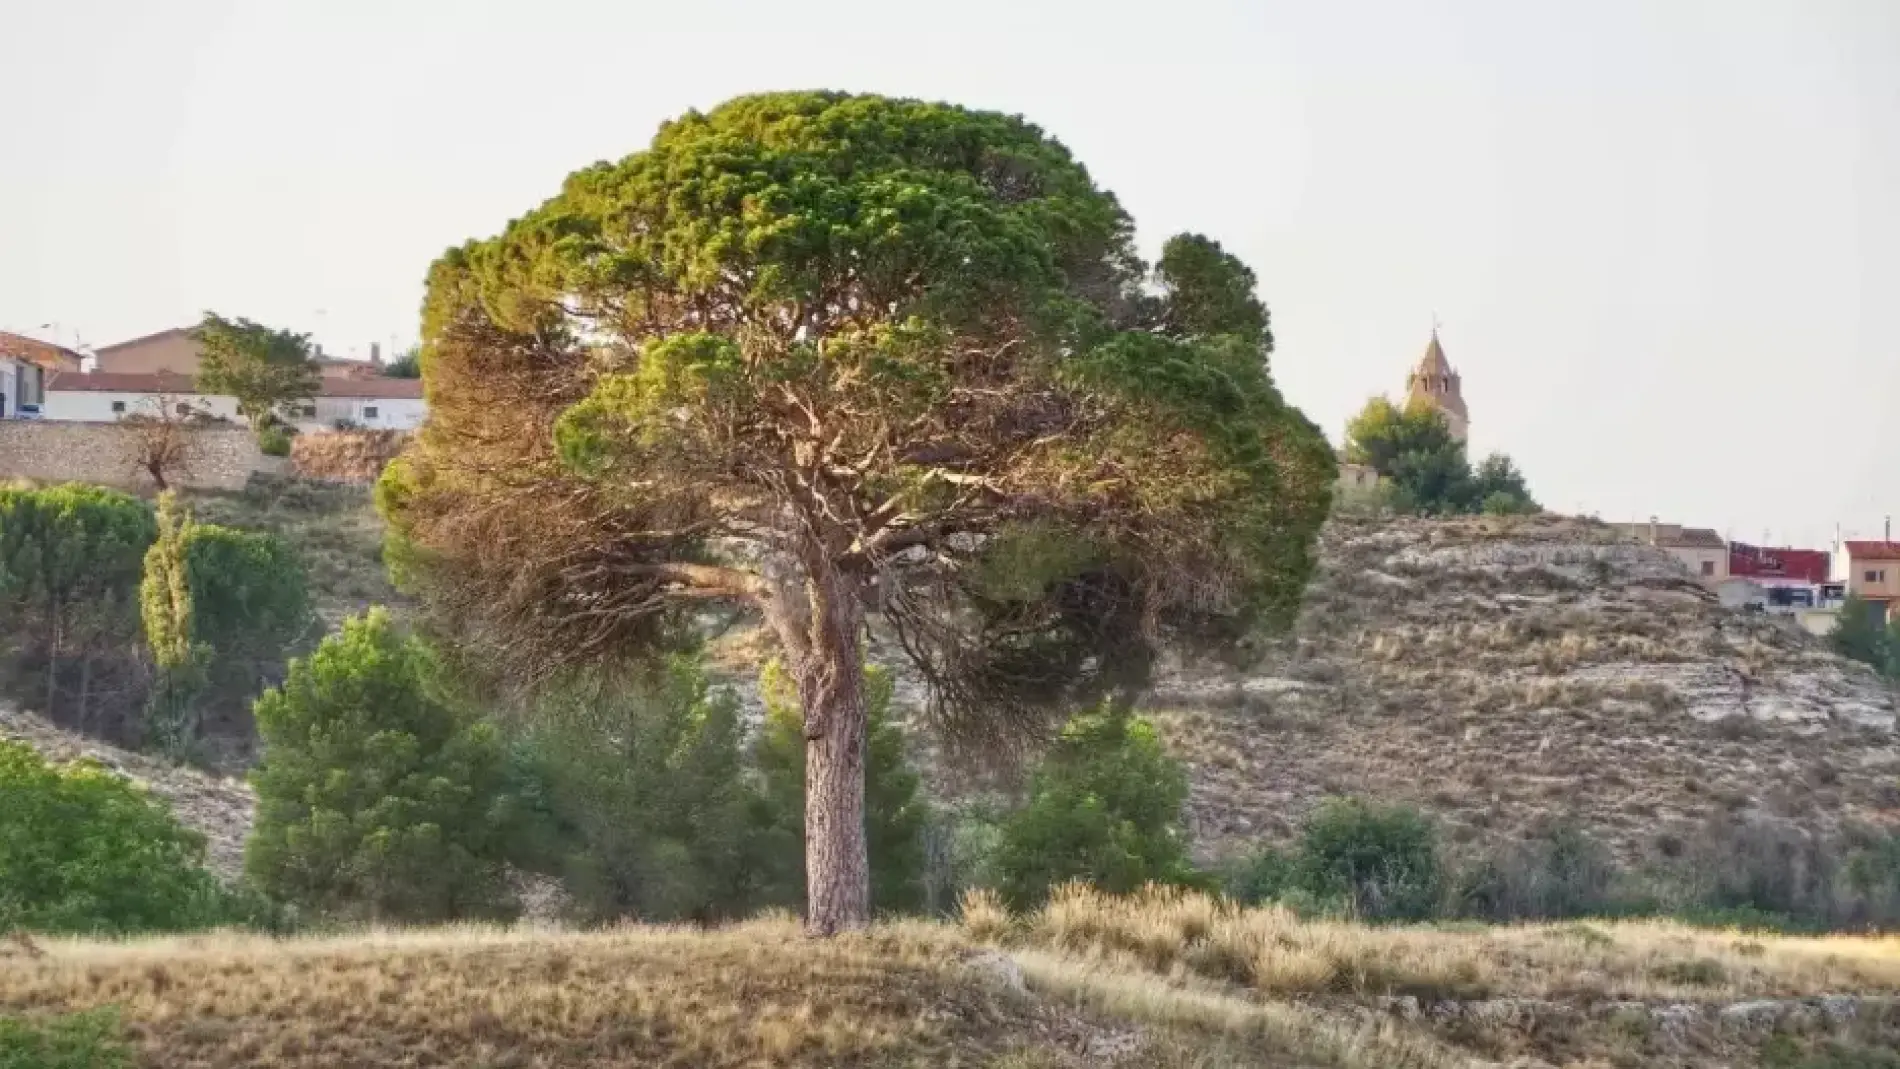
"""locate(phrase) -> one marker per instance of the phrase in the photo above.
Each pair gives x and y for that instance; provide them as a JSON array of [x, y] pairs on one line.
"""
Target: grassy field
[[1159, 980]]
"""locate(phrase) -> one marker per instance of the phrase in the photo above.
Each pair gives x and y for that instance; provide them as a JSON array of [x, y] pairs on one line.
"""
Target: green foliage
[[895, 817], [861, 335], [1427, 466], [636, 798], [1380, 862], [221, 609], [374, 797], [88, 1040], [273, 440], [1499, 489], [1860, 634], [264, 369], [85, 851], [69, 572], [1104, 807], [406, 364]]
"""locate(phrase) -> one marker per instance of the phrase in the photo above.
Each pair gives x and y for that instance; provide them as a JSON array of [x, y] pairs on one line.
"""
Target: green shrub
[[69, 574], [273, 440], [635, 797], [1104, 807], [1380, 862], [1265, 875], [222, 608], [85, 851], [375, 798], [895, 818], [87, 1040]]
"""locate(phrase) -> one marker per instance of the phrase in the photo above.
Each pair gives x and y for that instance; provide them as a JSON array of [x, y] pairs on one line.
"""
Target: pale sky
[[1662, 236]]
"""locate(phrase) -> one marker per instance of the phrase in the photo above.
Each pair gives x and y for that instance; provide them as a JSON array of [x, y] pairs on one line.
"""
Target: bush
[[1104, 808], [895, 817], [222, 609], [273, 440], [1266, 875], [374, 797], [84, 851], [1380, 862], [635, 798], [1559, 871], [69, 573], [87, 1040]]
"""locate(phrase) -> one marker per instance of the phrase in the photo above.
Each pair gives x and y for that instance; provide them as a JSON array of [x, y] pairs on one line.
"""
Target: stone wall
[[50, 451]]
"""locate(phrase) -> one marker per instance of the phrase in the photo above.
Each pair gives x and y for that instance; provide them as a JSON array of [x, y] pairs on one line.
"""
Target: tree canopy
[[262, 367], [1414, 448], [816, 355]]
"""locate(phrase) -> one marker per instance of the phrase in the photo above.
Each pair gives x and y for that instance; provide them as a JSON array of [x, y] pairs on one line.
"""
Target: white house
[[370, 402], [105, 397]]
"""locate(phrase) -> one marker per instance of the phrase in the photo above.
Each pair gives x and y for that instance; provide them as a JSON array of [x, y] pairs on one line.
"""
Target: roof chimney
[[1652, 530], [376, 353]]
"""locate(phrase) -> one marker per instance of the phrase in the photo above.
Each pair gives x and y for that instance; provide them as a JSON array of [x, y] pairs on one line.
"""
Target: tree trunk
[[831, 696]]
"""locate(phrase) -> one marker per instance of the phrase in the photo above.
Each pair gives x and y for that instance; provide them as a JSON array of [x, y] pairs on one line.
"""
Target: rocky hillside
[[1496, 671]]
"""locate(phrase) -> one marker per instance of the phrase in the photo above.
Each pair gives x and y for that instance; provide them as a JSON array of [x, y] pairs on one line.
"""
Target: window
[[369, 411], [118, 406], [1876, 576], [1708, 567], [183, 408], [307, 411]]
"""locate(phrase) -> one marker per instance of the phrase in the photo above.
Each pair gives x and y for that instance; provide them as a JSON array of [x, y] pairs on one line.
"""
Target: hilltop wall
[[52, 451]]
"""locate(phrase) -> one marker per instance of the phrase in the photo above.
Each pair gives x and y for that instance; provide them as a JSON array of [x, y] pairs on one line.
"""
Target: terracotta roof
[[161, 382], [371, 386], [154, 336], [1704, 537], [1873, 550], [35, 351], [121, 382]]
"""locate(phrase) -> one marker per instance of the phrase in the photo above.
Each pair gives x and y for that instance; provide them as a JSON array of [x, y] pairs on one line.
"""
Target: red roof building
[[1789, 565]]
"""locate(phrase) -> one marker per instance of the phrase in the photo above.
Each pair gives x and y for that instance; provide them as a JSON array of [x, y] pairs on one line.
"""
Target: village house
[[176, 351], [1701, 550], [1871, 571], [373, 403], [24, 365]]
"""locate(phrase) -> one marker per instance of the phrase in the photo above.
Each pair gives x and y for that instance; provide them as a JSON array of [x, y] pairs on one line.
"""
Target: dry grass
[[1270, 950], [755, 995]]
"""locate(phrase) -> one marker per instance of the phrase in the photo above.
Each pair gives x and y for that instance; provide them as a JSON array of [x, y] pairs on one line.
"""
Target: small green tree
[[374, 797], [1499, 489], [895, 816], [406, 365], [1860, 634], [69, 574], [85, 851], [1429, 471], [222, 608], [633, 795], [264, 368], [1381, 862], [1104, 807]]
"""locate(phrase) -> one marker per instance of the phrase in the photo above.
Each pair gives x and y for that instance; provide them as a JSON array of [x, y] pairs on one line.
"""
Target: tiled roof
[[121, 382], [1702, 537], [161, 382], [33, 350], [1873, 550]]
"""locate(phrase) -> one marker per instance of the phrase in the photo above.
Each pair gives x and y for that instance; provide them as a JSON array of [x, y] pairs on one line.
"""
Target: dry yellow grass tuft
[[760, 994], [1271, 950]]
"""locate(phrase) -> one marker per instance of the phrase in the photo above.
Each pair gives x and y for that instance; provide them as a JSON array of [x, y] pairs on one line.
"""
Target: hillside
[[1499, 671], [1157, 981]]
